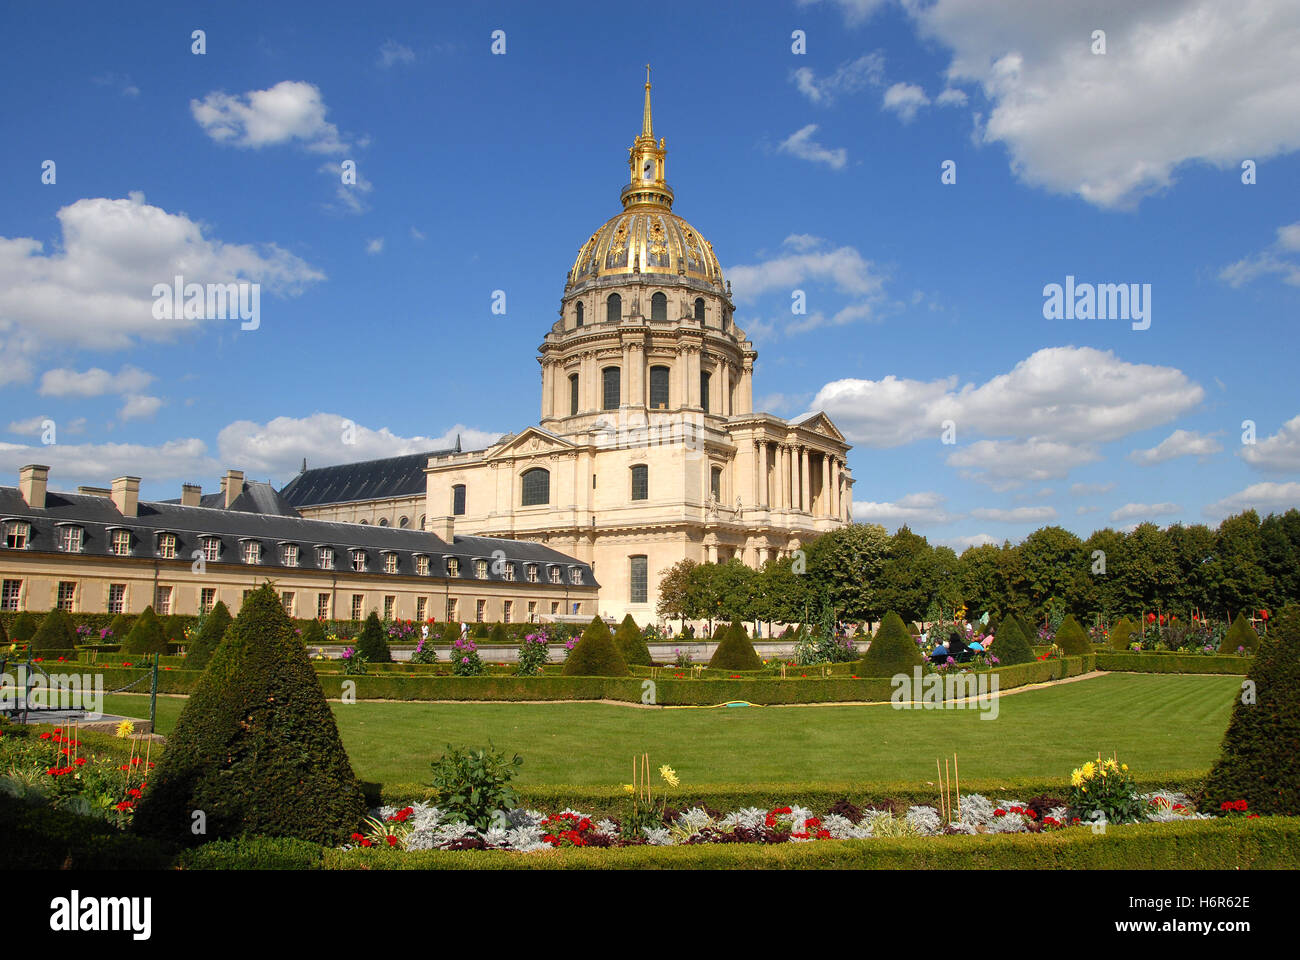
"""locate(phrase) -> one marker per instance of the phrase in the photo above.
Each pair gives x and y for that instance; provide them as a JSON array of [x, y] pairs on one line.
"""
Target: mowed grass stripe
[[1155, 722]]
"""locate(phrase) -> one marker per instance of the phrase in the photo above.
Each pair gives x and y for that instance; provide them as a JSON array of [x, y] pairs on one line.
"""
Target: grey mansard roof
[[367, 480], [97, 516]]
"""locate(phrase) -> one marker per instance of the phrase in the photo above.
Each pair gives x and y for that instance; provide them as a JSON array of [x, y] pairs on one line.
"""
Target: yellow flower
[[669, 775], [1076, 778], [628, 788], [1110, 764], [1089, 769], [125, 729], [1124, 767]]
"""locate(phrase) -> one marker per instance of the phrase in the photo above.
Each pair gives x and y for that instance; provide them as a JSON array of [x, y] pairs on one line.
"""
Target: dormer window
[[72, 538], [556, 575], [120, 545], [421, 566], [480, 569], [390, 562], [575, 575], [18, 533], [532, 572], [211, 548], [359, 561], [509, 570], [325, 558], [289, 554], [251, 550], [453, 567], [167, 546]]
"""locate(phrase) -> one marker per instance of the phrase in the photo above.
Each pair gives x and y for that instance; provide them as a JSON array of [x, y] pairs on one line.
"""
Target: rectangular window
[[452, 609], [640, 482], [357, 600], [704, 391], [480, 569], [288, 601], [167, 546], [162, 601], [322, 606], [610, 382], [532, 573], [390, 602], [715, 483], [71, 539], [207, 599], [289, 554], [420, 604], [453, 567], [573, 394], [359, 561], [9, 592], [659, 388], [509, 571], [556, 575], [211, 548], [422, 566], [252, 550], [480, 611], [390, 563], [117, 598], [458, 500], [507, 609], [532, 611], [17, 533], [575, 575], [122, 543], [637, 578], [327, 558], [555, 607], [67, 594]]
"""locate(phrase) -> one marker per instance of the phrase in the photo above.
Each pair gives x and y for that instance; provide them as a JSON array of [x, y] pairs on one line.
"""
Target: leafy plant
[[532, 654], [1105, 787], [472, 784]]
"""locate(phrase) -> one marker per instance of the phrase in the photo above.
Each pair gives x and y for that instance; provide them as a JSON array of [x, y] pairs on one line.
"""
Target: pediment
[[533, 441], [820, 423]]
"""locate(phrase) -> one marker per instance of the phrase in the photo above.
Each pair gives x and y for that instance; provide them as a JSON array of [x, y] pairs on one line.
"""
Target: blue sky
[[816, 171]]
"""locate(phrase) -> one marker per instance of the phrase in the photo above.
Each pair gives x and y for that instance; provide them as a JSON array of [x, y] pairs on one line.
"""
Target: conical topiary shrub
[[1010, 645], [1121, 634], [24, 628], [313, 634], [118, 628], [1240, 634], [595, 655], [450, 632], [892, 650], [211, 631], [735, 651], [1259, 761], [174, 631], [56, 633], [372, 644], [498, 633], [631, 644], [256, 748], [1072, 638], [146, 637]]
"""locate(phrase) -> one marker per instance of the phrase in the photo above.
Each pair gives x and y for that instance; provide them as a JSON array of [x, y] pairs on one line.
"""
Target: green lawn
[[1155, 722]]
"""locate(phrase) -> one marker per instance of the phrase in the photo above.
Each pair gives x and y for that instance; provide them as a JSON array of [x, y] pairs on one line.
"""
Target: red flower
[[392, 840], [80, 761], [1252, 816], [1263, 614], [999, 812], [45, 736], [1151, 618], [1240, 805], [357, 836]]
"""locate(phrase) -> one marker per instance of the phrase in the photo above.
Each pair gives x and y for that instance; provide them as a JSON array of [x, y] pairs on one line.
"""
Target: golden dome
[[647, 237]]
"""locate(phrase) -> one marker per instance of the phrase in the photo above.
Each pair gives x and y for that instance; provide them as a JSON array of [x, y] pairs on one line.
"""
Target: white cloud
[[913, 509], [951, 97], [98, 463], [95, 289], [1007, 464], [1267, 497], [1134, 511], [1274, 259], [960, 544], [139, 407], [1279, 453], [849, 77], [1081, 511], [277, 448], [905, 99], [291, 110], [1180, 443], [416, 234], [393, 52], [94, 382], [31, 427], [1181, 81], [855, 11], [1091, 489], [375, 246], [801, 144], [1016, 514]]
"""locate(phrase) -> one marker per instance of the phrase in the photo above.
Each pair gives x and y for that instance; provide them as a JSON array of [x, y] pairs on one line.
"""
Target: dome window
[[659, 308], [699, 310], [578, 313], [613, 308]]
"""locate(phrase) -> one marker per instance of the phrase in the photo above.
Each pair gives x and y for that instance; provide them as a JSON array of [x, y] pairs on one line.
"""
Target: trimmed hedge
[[1010, 645], [595, 655], [735, 651], [1200, 845], [1121, 635], [39, 837], [892, 650], [253, 853], [1171, 663], [56, 634], [214, 628], [631, 644], [1241, 634], [1072, 638], [146, 637]]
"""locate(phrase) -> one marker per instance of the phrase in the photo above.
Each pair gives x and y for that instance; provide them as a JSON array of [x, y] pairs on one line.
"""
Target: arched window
[[613, 308], [659, 308], [640, 482], [458, 500], [536, 485], [573, 394], [699, 310], [421, 521], [715, 483], [365, 522], [609, 383], [659, 377], [383, 521], [404, 522], [704, 390], [579, 313]]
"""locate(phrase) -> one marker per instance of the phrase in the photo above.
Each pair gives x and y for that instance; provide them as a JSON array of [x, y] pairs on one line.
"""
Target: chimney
[[232, 485], [126, 495], [444, 528], [31, 483], [191, 493]]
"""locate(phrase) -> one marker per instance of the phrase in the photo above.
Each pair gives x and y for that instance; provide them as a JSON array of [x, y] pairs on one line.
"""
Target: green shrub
[[1072, 638], [119, 628], [1259, 761], [253, 853], [1121, 635], [471, 785], [55, 633], [892, 650], [498, 634], [211, 631], [174, 629], [4, 637], [24, 628], [631, 644], [373, 644], [1010, 645], [450, 632], [735, 651], [146, 637], [313, 634], [595, 654], [256, 747], [479, 631], [1240, 634]]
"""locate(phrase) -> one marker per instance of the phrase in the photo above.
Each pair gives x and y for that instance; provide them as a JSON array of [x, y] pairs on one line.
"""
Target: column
[[834, 490], [826, 486], [762, 475], [683, 376], [787, 459], [804, 490], [724, 402]]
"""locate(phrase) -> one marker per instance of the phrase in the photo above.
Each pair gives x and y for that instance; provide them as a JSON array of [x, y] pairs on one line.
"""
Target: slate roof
[[367, 480], [257, 496], [97, 516]]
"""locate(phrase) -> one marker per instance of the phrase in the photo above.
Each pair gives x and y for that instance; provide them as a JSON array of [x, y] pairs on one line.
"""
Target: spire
[[647, 128]]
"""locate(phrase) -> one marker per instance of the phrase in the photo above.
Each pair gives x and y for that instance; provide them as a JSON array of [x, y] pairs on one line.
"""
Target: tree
[[256, 748], [211, 631], [674, 592], [1072, 638], [146, 637], [981, 583], [780, 594], [1010, 645], [372, 644], [909, 580], [24, 628], [595, 655], [892, 650], [55, 633], [734, 651], [631, 644], [1259, 761], [1239, 559], [845, 566], [450, 632]]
